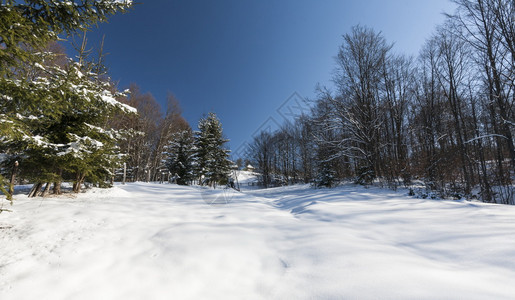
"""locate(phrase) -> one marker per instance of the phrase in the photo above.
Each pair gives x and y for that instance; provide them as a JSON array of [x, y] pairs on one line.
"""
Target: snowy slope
[[164, 242], [247, 180], [244, 177]]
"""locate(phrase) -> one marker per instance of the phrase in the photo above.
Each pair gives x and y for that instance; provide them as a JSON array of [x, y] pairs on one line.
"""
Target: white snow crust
[[163, 241]]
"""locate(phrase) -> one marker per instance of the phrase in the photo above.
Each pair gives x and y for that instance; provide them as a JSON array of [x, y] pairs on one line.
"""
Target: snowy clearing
[[152, 241]]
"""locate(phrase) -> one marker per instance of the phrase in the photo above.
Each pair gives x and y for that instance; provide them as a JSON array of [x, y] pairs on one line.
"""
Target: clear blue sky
[[242, 59]]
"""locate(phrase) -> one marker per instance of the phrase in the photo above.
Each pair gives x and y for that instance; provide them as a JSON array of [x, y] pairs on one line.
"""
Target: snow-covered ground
[[247, 179], [152, 241]]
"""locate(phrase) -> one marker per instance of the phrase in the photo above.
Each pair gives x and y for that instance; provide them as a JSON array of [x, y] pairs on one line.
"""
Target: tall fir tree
[[212, 158], [180, 154]]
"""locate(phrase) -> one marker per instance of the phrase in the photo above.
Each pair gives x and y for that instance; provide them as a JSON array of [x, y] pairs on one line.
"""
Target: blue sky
[[243, 59]]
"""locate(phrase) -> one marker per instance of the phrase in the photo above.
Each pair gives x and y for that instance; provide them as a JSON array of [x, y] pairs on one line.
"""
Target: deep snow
[[162, 241]]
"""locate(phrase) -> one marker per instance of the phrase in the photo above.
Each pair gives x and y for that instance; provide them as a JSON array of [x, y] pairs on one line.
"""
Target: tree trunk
[[35, 189], [79, 181], [57, 188], [45, 191], [76, 184], [11, 183], [57, 183], [124, 172]]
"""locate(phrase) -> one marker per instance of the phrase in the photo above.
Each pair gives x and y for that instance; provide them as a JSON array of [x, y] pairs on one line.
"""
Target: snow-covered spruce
[[212, 164], [43, 108], [73, 105], [180, 155]]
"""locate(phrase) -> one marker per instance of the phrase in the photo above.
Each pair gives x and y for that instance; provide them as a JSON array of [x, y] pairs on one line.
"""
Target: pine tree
[[180, 156], [52, 116], [212, 159]]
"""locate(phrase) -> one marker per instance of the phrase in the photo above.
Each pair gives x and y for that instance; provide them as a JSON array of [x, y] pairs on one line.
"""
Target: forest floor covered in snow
[[163, 241]]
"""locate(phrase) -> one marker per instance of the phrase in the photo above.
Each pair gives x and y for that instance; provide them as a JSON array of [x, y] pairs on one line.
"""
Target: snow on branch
[[108, 98], [485, 137]]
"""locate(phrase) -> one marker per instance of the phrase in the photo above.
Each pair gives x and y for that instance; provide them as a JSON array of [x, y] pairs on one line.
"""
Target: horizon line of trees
[[445, 118]]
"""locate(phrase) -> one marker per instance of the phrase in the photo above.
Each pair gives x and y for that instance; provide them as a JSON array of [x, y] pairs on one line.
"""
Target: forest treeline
[[443, 120], [62, 119]]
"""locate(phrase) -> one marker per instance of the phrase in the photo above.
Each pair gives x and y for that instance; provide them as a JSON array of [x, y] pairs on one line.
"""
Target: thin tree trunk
[[77, 183], [45, 191], [35, 189], [80, 182], [13, 179], [57, 183], [124, 172]]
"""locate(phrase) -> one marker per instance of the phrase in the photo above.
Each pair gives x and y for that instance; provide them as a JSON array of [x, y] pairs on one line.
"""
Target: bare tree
[[261, 153], [361, 63]]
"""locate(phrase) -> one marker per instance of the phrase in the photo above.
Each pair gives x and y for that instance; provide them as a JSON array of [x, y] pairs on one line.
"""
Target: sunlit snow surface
[[162, 241]]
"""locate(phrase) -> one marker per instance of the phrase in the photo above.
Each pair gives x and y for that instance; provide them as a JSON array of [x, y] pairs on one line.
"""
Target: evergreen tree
[[326, 176], [26, 27], [71, 138], [51, 117], [212, 159], [180, 156]]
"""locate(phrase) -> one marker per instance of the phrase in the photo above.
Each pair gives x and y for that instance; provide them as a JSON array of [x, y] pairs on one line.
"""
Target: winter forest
[[397, 181], [442, 120], [64, 120]]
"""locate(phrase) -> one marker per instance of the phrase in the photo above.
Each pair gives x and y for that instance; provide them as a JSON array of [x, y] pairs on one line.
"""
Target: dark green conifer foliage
[[52, 118], [180, 152], [326, 176], [212, 158], [28, 26]]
